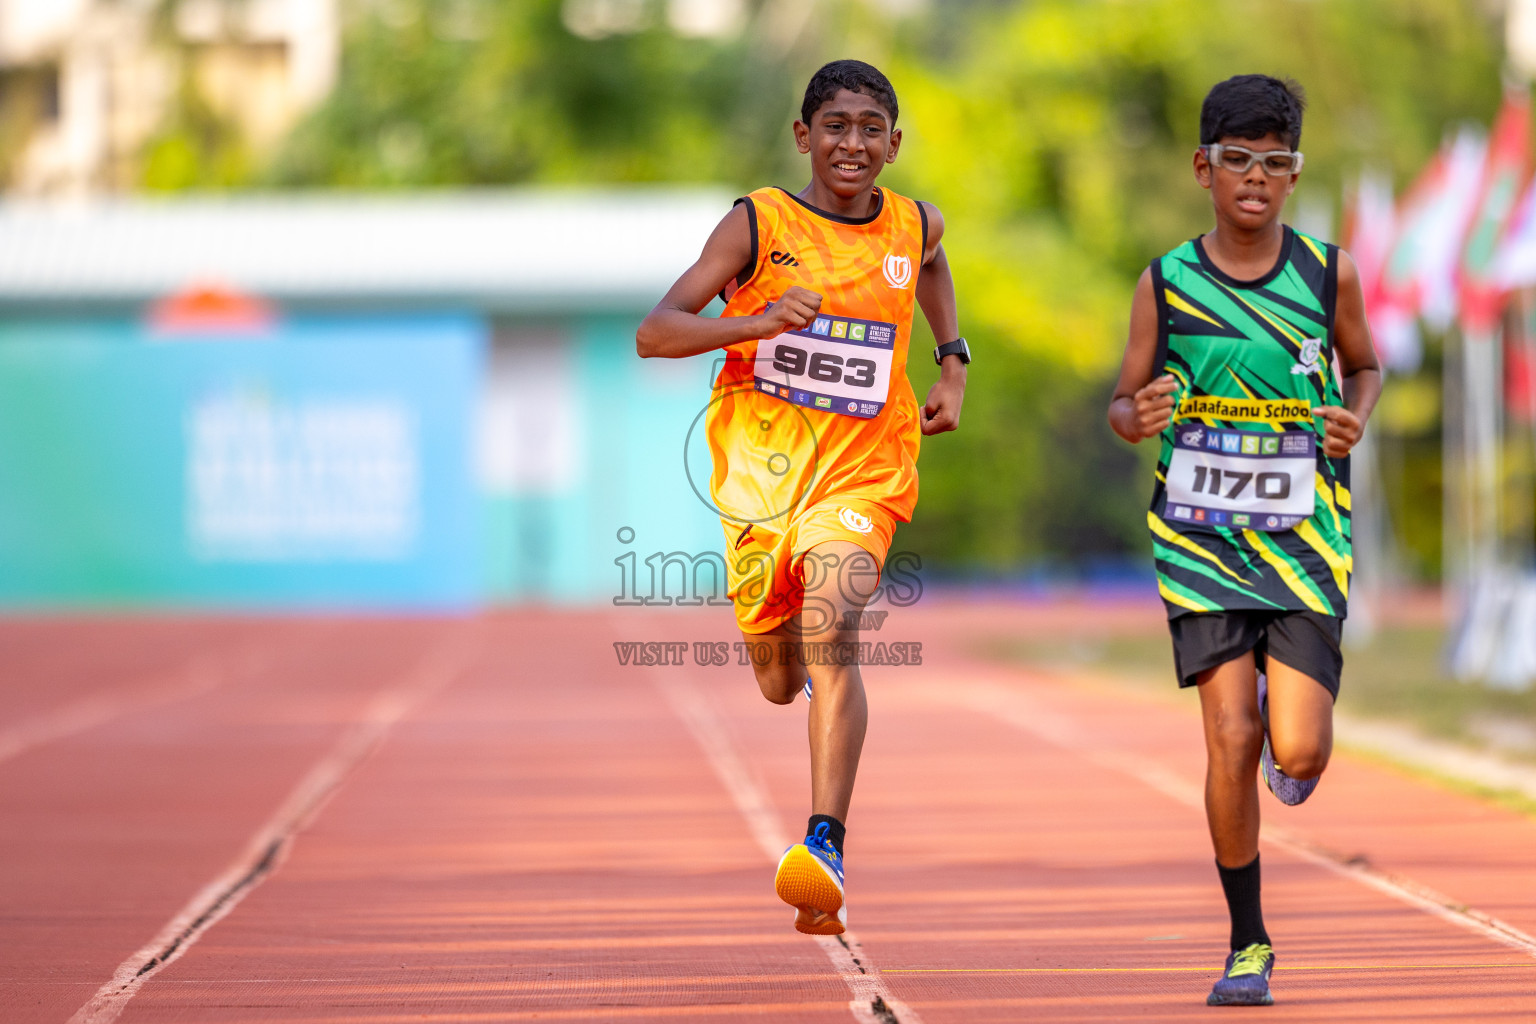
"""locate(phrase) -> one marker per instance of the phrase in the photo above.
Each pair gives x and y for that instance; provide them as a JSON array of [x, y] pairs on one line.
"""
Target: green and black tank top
[[1247, 511]]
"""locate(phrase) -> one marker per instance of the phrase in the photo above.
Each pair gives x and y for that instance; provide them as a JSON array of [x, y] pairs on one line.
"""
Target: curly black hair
[[853, 75], [1252, 106]]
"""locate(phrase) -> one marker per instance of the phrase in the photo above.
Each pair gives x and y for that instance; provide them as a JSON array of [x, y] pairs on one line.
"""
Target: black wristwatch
[[958, 347]]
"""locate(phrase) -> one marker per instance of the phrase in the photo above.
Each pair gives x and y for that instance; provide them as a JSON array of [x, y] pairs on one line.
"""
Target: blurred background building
[[86, 84]]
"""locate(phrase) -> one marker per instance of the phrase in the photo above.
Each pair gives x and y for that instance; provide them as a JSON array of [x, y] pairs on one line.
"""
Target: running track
[[212, 820]]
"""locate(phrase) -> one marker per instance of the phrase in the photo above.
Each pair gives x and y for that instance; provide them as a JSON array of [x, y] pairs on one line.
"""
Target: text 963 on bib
[[838, 364]]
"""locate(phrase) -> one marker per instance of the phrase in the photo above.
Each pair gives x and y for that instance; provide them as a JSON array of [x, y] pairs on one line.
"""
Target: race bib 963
[[839, 364]]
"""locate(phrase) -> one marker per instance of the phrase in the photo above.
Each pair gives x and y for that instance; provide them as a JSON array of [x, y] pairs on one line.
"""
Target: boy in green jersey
[[1231, 364]]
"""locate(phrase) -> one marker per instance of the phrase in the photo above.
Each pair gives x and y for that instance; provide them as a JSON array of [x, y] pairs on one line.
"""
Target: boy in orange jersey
[[813, 428]]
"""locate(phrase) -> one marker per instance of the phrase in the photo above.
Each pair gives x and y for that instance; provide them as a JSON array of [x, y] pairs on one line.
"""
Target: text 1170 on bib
[[1241, 479]]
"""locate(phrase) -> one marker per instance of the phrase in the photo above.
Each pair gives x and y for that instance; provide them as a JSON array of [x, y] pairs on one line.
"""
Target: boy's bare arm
[[1142, 407], [1361, 373], [674, 329], [936, 295]]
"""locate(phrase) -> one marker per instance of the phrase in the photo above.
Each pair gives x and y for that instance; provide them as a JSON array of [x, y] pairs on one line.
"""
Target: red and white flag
[[1370, 233], [1505, 173], [1420, 273]]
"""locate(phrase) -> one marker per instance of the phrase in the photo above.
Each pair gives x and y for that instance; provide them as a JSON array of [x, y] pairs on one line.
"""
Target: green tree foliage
[[470, 92], [1056, 135]]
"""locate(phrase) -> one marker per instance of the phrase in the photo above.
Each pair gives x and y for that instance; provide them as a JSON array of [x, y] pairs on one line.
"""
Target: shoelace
[[1250, 960], [818, 840]]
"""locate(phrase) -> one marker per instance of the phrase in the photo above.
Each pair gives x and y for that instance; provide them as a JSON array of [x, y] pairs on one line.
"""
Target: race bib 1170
[[838, 364], [1241, 479]]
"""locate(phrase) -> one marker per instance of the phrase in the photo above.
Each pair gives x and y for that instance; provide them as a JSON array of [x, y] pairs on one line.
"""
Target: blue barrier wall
[[327, 464]]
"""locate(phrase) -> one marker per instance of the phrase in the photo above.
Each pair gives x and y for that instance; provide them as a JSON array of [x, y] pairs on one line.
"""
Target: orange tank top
[[824, 412]]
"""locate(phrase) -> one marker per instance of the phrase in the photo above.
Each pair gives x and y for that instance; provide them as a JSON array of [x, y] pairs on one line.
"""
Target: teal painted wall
[[322, 464]]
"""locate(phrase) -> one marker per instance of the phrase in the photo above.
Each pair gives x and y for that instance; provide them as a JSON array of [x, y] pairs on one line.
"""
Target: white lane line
[[88, 712], [1407, 748], [872, 1001], [1024, 713], [271, 843], [1429, 900]]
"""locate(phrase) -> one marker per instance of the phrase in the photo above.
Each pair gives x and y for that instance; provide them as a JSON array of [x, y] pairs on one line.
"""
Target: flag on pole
[[1505, 172], [1515, 265], [1515, 268], [1520, 376], [1420, 270], [1370, 232]]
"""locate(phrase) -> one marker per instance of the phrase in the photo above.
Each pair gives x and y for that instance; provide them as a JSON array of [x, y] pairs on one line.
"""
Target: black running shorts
[[1305, 641]]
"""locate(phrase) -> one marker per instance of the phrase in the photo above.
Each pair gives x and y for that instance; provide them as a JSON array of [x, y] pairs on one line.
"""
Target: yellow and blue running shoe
[[1245, 982], [810, 879], [1287, 790]]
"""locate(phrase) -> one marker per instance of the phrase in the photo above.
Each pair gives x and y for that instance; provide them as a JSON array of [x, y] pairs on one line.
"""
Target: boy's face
[[849, 139], [1252, 199]]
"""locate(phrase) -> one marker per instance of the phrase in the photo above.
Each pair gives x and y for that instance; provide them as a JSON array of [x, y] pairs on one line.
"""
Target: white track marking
[[1402, 745], [1026, 714], [95, 709], [1407, 890], [271, 843], [872, 1001]]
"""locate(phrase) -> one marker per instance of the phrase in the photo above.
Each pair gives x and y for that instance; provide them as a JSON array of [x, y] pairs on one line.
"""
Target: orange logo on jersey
[[898, 270]]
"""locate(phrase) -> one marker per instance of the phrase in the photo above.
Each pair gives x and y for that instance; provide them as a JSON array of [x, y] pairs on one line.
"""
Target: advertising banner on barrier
[[322, 462]]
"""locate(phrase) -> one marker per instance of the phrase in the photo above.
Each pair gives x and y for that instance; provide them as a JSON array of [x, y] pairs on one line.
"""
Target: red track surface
[[520, 828]]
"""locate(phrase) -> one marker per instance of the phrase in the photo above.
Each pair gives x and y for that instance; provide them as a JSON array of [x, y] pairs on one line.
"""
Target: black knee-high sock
[[1242, 888], [835, 830]]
